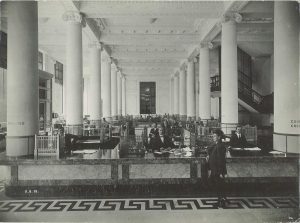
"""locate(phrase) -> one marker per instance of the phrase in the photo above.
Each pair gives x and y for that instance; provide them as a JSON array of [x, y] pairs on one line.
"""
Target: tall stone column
[[182, 93], [204, 83], [74, 72], [114, 93], [191, 99], [124, 96], [94, 91], [171, 96], [197, 89], [176, 94], [119, 83], [22, 78], [229, 74], [286, 77], [106, 85]]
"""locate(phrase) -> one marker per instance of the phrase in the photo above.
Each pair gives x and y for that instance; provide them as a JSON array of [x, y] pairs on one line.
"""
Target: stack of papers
[[236, 148], [187, 149], [253, 149], [89, 141], [188, 154], [276, 152], [85, 151]]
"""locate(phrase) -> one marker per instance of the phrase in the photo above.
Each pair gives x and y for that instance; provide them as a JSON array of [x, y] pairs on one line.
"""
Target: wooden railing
[[48, 146]]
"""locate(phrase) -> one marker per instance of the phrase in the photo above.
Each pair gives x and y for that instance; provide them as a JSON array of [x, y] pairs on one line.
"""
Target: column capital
[[96, 44], [105, 58], [119, 73], [114, 66], [184, 65], [193, 59], [75, 17], [176, 74], [208, 45], [232, 16]]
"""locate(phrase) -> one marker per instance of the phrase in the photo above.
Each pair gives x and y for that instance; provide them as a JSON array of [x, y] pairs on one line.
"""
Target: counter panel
[[262, 169], [158, 171], [64, 172]]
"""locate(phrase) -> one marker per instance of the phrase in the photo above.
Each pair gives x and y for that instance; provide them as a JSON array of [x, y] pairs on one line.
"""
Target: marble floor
[[238, 209]]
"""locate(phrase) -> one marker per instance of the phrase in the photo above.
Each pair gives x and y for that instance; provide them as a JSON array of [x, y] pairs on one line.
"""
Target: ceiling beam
[[246, 37], [148, 55], [152, 9], [166, 40], [147, 65]]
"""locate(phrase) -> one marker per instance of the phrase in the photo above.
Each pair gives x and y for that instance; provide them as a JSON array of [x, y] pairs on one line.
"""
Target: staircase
[[248, 98]]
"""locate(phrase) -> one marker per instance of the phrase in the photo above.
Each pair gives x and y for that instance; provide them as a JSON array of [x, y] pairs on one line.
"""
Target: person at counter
[[153, 131], [217, 166], [159, 141], [237, 139]]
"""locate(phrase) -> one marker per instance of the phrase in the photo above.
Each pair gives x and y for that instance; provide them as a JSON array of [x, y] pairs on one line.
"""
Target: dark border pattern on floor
[[145, 204]]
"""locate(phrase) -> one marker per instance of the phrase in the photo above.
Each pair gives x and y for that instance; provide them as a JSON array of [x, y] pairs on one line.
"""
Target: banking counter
[[102, 172]]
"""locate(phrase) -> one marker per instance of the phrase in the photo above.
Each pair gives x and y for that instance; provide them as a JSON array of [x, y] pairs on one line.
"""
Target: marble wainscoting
[[266, 169], [150, 171]]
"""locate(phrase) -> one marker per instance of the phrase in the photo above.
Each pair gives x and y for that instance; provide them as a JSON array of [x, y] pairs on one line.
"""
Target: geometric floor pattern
[[168, 204], [2, 185]]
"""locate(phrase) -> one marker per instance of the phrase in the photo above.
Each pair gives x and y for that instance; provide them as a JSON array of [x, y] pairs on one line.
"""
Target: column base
[[108, 119], [114, 118], [227, 128], [19, 145], [182, 117], [191, 118], [288, 143], [74, 129]]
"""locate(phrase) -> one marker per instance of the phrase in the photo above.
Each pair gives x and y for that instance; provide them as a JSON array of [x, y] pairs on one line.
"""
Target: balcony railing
[[215, 83]]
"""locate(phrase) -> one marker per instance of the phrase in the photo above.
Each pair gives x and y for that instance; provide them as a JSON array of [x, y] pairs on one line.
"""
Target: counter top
[[149, 158]]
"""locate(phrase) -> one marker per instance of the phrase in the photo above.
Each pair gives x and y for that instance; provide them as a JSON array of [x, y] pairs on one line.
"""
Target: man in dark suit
[[217, 166], [238, 140]]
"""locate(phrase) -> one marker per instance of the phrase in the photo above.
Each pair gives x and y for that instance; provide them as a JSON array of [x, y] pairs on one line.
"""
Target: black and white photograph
[[149, 111]]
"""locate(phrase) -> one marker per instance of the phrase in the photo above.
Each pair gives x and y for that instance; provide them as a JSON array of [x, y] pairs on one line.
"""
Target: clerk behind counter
[[237, 139]]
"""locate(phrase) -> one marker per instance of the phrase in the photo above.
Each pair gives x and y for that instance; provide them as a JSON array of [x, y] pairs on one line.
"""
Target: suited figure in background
[[237, 139]]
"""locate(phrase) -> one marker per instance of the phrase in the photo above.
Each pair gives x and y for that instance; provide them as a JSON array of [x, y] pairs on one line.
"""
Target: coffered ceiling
[[152, 37]]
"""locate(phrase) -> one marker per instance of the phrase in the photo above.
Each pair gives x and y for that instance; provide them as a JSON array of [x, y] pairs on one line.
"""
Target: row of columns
[[103, 96], [286, 78], [113, 86], [106, 89], [184, 88], [22, 78]]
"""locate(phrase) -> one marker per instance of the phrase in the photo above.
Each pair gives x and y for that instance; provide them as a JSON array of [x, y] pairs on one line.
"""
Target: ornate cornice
[[75, 17]]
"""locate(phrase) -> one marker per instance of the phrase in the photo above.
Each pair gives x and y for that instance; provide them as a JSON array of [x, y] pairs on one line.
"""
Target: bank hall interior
[[108, 110]]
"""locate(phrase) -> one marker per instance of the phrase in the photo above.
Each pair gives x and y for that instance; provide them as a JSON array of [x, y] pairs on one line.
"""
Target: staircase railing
[[250, 96], [245, 91], [245, 79]]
